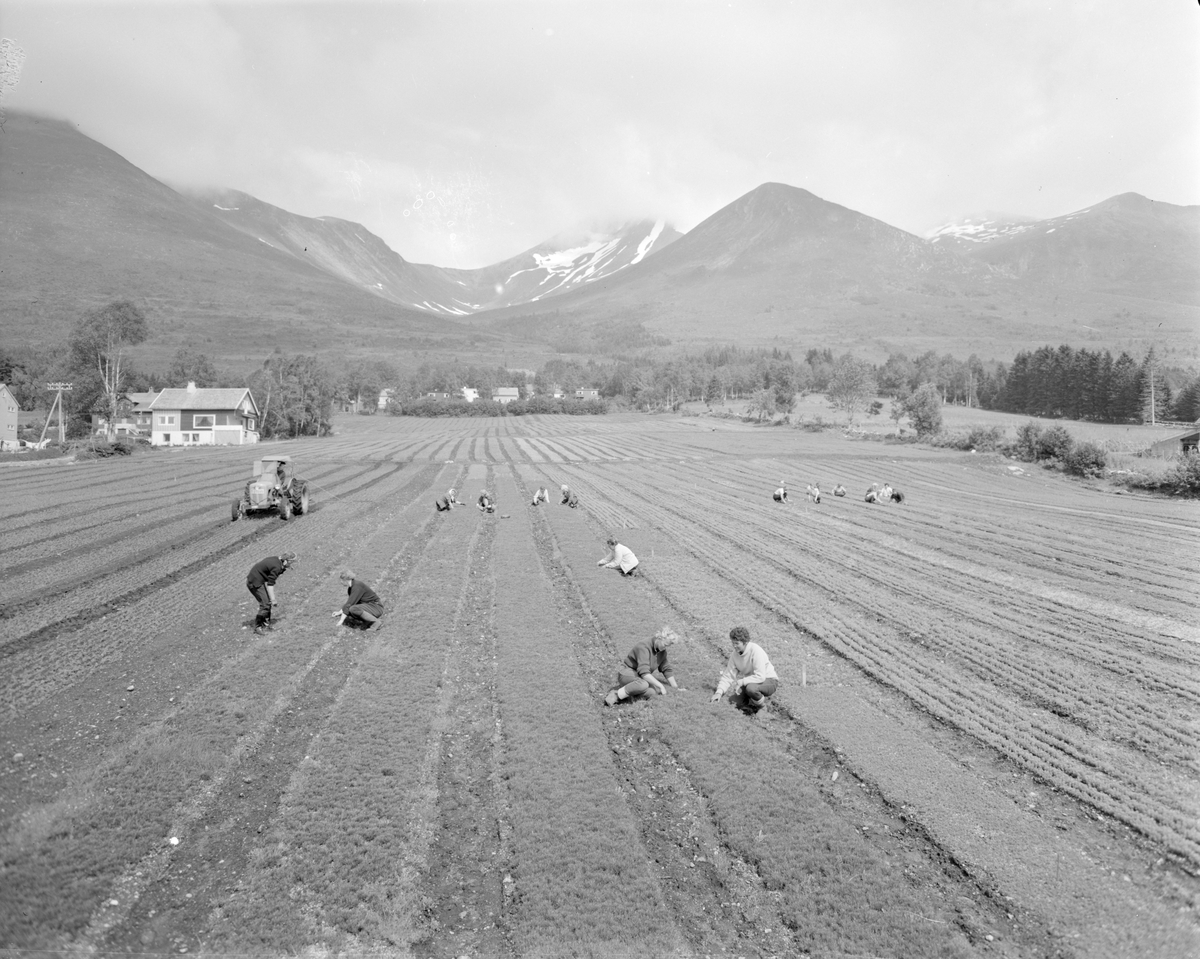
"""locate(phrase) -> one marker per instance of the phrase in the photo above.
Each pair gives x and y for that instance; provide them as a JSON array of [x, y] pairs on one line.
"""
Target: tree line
[[297, 395]]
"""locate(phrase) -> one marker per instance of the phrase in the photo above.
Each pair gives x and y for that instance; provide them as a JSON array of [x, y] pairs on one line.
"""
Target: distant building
[[505, 394], [1174, 445], [385, 397], [587, 394], [133, 416], [204, 417], [8, 418], [470, 394], [437, 395]]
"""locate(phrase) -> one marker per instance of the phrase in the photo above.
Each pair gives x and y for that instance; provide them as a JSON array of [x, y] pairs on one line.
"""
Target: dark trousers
[[354, 617], [753, 696], [635, 686], [264, 604]]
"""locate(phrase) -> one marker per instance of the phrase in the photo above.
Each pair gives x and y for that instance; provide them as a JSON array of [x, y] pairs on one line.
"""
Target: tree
[[189, 365], [1155, 397], [923, 407], [851, 385], [98, 345], [296, 396], [763, 403]]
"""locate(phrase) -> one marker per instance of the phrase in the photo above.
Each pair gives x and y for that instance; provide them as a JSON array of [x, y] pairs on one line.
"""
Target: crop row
[[837, 893], [149, 784], [1076, 763], [41, 660], [967, 599], [583, 886], [341, 859], [146, 544], [131, 801], [961, 591]]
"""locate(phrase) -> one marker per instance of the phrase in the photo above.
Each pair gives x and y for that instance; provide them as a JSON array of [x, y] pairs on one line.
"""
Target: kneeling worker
[[541, 496], [568, 497], [619, 557], [362, 607], [485, 502], [635, 675], [749, 673]]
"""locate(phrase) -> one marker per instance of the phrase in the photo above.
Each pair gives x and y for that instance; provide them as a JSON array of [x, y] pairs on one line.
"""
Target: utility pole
[[60, 389]]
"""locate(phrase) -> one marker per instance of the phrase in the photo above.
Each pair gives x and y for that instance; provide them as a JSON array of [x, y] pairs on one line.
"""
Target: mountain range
[[779, 266]]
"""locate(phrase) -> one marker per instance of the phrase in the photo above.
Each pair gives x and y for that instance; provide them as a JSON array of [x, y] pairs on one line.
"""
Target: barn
[[1174, 445]]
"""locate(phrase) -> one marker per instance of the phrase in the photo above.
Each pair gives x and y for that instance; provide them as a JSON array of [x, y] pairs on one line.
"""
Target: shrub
[[1026, 445], [1183, 478], [957, 440], [985, 438], [1054, 444], [1086, 459]]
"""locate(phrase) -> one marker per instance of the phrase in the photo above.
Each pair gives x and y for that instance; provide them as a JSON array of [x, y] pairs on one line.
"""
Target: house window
[[166, 437], [203, 421], [166, 420]]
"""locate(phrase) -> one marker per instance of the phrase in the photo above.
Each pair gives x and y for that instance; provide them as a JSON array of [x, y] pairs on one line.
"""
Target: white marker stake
[[803, 675]]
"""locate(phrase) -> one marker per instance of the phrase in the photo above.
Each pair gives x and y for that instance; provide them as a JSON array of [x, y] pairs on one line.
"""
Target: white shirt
[[752, 666]]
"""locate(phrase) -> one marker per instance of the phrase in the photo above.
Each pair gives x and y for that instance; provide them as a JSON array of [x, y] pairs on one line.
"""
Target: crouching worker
[[872, 494], [363, 607], [780, 495], [749, 674], [541, 496], [635, 675], [261, 583], [897, 496], [449, 501], [619, 557], [839, 490], [485, 502], [568, 497]]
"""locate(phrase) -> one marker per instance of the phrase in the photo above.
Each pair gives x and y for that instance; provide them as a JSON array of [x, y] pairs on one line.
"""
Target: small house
[[587, 394], [470, 394], [204, 417], [8, 418], [505, 394], [133, 416], [1174, 445], [437, 395]]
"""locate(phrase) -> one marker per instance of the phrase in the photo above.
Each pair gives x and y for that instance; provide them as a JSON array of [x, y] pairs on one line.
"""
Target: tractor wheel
[[285, 509], [302, 506], [235, 511]]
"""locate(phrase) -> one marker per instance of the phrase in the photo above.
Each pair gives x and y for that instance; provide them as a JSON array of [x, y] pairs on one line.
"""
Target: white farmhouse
[[204, 417]]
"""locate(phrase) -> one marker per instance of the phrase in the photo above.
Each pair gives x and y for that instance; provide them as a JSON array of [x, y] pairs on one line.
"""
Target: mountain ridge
[[80, 226]]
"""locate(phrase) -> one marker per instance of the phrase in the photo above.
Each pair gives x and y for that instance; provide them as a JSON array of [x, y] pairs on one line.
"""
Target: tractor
[[273, 486]]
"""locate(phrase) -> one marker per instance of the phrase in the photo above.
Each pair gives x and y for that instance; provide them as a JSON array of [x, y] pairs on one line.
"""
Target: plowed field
[[984, 742]]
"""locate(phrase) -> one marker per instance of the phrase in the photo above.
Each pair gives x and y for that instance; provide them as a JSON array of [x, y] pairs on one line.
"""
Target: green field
[[983, 744]]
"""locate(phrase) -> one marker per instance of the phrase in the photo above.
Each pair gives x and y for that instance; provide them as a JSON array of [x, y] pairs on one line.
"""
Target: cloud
[[528, 118]]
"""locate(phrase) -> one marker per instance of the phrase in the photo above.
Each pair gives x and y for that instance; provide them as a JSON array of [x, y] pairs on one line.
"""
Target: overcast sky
[[465, 133]]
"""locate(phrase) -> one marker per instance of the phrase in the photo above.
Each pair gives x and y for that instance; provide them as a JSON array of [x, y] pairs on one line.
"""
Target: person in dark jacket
[[568, 497], [363, 607], [485, 502], [448, 502], [635, 675], [261, 583]]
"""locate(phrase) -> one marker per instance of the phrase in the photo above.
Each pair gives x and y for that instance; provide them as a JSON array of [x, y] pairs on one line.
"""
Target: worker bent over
[[261, 583], [619, 557], [635, 675], [363, 607]]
